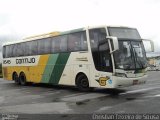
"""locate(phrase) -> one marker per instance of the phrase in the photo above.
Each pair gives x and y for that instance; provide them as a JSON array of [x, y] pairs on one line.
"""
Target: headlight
[[120, 74]]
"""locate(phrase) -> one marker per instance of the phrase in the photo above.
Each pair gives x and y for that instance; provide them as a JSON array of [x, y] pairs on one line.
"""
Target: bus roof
[[56, 33], [46, 35]]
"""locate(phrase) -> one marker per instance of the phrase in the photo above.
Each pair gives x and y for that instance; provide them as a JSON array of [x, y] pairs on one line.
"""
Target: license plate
[[135, 82]]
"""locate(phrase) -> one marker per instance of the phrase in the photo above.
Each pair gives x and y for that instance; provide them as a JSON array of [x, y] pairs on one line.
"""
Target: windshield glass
[[123, 56], [139, 53], [131, 55]]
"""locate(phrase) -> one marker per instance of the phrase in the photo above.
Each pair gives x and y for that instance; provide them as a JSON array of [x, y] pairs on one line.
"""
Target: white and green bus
[[103, 57]]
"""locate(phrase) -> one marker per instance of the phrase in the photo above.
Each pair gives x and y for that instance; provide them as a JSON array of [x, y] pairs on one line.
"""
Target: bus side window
[[15, 50], [94, 40], [8, 51], [55, 44], [20, 49], [63, 43], [4, 51], [72, 42], [52, 45], [44, 46], [84, 41], [77, 41], [33, 47], [27, 49]]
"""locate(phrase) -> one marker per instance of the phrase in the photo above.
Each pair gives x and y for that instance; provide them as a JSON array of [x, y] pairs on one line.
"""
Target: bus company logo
[[102, 81], [6, 61], [25, 60]]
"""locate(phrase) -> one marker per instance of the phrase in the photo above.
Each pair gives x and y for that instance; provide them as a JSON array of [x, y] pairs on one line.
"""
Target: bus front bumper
[[119, 82]]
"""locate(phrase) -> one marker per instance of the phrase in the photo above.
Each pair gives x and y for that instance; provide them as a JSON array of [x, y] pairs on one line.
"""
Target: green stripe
[[59, 67], [49, 68]]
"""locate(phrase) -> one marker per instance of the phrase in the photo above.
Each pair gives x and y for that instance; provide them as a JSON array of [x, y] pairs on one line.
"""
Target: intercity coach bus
[[103, 57]]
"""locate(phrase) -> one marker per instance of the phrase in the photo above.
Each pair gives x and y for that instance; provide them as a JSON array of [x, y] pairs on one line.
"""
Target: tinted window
[[55, 44], [27, 48], [9, 50], [59, 44], [96, 35], [44, 46], [33, 47], [15, 50], [4, 52], [20, 49], [77, 41], [124, 32], [63, 43]]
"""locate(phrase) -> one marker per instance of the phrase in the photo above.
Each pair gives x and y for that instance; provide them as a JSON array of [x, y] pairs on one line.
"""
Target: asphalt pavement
[[65, 100]]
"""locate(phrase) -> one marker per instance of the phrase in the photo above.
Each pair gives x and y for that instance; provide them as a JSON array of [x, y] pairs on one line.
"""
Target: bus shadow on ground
[[113, 92]]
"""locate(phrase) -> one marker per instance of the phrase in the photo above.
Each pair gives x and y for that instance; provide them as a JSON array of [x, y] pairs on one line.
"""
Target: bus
[[102, 57]]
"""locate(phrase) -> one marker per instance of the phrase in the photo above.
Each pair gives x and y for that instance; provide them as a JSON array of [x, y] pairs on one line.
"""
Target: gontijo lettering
[[25, 60]]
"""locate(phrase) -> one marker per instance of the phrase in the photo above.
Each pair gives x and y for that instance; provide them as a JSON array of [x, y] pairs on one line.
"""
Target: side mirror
[[151, 43], [115, 45]]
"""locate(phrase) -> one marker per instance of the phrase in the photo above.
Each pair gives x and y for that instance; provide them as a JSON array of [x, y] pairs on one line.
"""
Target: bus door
[[100, 52]]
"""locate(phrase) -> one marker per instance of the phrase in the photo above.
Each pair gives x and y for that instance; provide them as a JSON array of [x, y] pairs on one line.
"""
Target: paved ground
[[45, 99]]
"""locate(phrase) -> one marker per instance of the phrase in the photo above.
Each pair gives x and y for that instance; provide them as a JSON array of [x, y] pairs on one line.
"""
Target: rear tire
[[82, 83], [16, 79], [22, 79]]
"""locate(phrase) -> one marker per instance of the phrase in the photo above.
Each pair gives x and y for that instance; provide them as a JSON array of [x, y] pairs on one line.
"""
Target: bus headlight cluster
[[120, 74]]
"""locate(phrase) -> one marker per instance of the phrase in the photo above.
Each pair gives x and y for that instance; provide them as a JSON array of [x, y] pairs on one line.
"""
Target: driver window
[[97, 35]]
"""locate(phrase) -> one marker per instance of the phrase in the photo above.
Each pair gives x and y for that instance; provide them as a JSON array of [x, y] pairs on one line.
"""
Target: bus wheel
[[82, 82], [22, 79], [15, 78]]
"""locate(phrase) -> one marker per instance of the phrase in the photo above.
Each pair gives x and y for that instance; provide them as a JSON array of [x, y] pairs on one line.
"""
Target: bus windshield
[[131, 54]]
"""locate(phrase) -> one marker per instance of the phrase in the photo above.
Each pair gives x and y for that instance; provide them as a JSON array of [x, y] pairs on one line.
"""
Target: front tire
[[82, 83]]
